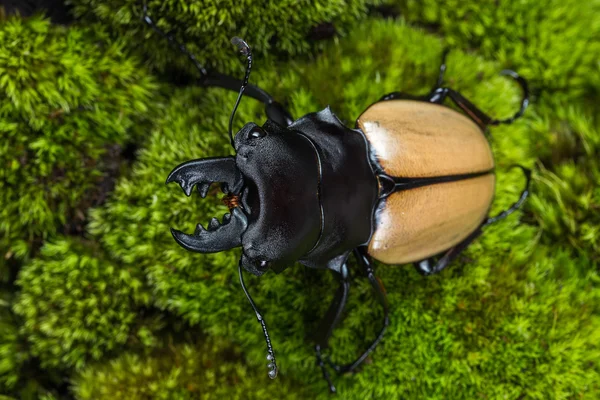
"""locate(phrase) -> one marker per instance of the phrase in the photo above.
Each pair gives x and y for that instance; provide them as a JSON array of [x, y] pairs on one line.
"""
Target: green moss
[[67, 95], [20, 375], [76, 306], [183, 371], [207, 27], [10, 355], [566, 199], [517, 318], [554, 43]]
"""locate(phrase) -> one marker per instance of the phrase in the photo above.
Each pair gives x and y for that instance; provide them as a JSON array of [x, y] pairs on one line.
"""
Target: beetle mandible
[[312, 190]]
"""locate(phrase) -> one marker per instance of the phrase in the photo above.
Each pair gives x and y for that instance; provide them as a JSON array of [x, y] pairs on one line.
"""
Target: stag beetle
[[412, 182]]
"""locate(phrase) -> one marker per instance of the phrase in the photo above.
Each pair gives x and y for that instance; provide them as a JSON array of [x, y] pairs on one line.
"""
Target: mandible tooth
[[199, 229], [203, 189], [226, 218], [213, 224]]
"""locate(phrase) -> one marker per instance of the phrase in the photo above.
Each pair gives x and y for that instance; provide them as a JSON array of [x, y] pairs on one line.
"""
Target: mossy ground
[[124, 313], [70, 98]]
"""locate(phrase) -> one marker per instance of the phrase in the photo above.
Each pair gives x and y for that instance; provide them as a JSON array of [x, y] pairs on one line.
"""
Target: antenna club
[[241, 45]]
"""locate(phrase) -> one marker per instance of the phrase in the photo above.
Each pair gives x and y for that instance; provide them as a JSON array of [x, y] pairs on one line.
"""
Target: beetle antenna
[[246, 51], [270, 354]]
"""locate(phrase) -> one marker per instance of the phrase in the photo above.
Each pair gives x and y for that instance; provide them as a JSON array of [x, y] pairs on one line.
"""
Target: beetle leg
[[402, 96], [518, 203], [321, 364], [364, 262], [430, 266], [439, 94], [274, 110], [330, 320], [406, 96], [334, 312]]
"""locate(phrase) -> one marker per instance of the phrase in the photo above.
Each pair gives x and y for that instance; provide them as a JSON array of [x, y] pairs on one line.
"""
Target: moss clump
[[66, 97], [76, 306], [20, 375], [207, 27], [553, 43], [566, 199], [10, 355], [183, 371]]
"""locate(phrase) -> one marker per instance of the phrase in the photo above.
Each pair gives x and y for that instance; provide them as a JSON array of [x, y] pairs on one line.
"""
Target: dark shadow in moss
[[56, 10]]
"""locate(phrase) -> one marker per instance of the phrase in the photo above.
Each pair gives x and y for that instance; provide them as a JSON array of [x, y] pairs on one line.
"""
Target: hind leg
[[518, 203], [431, 266]]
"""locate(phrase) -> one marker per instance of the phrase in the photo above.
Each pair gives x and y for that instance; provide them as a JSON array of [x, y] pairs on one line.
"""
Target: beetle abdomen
[[423, 217]]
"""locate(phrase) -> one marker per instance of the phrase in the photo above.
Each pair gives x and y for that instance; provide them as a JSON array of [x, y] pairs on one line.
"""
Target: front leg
[[274, 110], [330, 320]]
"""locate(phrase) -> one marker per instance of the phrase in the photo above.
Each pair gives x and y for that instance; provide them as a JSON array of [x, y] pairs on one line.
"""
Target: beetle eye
[[256, 134], [264, 264]]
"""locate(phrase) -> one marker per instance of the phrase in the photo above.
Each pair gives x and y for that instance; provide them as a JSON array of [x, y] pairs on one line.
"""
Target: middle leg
[[366, 267], [439, 93]]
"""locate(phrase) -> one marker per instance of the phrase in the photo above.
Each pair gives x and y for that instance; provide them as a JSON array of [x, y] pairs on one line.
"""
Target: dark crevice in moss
[[179, 77], [111, 165], [567, 146], [56, 10], [35, 380], [388, 11], [323, 31]]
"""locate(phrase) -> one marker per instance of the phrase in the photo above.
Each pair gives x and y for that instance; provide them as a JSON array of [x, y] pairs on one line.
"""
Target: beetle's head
[[272, 186], [302, 193]]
